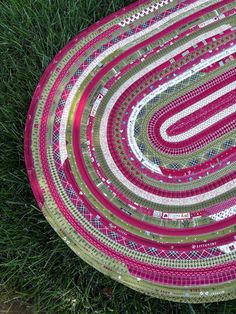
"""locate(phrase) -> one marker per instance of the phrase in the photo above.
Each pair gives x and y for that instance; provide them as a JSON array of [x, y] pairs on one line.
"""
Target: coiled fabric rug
[[130, 147]]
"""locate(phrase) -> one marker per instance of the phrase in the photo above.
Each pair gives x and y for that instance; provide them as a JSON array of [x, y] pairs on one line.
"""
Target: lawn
[[38, 272]]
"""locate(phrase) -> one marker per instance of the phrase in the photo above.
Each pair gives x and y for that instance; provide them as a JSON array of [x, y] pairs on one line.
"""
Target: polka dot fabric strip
[[130, 147]]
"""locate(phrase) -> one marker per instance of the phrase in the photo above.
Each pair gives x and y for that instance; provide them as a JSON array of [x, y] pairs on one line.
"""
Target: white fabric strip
[[205, 124]]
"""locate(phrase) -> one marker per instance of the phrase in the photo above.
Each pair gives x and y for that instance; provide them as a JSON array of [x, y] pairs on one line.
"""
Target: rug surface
[[130, 147]]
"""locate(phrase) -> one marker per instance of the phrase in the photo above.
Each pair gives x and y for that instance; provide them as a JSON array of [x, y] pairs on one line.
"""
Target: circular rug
[[130, 147]]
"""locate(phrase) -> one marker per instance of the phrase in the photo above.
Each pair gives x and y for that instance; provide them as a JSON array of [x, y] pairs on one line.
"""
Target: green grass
[[37, 268]]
